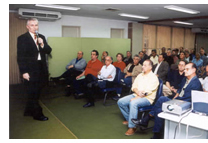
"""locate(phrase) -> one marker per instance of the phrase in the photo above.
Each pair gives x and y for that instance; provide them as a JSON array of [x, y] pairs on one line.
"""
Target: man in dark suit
[[190, 82], [31, 58], [161, 69]]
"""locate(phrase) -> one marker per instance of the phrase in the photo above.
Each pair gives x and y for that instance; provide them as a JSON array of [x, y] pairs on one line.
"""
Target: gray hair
[[31, 19], [137, 56]]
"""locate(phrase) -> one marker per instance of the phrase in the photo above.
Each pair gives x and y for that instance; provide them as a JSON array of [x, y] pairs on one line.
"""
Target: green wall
[[64, 49]]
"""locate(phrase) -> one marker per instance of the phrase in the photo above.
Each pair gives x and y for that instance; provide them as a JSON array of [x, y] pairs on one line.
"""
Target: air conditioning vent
[[199, 30], [28, 14], [39, 14], [112, 9]]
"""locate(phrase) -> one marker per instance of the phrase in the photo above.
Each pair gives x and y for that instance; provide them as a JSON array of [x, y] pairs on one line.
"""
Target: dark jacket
[[27, 54], [193, 85], [162, 71]]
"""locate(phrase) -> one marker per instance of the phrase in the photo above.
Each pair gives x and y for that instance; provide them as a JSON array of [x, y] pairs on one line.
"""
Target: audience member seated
[[141, 55], [164, 53], [144, 88], [105, 79], [90, 73], [169, 58], [161, 69], [175, 57], [177, 53], [128, 59], [187, 56], [145, 54], [182, 58], [131, 71], [104, 54], [204, 81], [74, 68], [197, 60], [192, 54], [173, 80], [203, 56], [154, 57], [191, 82], [119, 63]]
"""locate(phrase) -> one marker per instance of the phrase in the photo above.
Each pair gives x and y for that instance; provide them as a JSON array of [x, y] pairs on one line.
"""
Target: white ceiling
[[156, 12]]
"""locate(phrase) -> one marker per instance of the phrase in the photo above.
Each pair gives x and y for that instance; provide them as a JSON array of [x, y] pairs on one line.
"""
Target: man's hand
[[78, 77], [109, 77], [26, 76], [71, 66], [135, 98], [40, 41]]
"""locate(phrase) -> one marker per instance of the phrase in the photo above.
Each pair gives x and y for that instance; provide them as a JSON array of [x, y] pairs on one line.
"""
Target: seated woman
[[131, 71], [119, 63], [105, 54]]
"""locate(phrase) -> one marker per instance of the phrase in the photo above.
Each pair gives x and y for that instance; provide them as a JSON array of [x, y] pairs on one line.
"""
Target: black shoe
[[68, 92], [89, 104], [143, 122], [41, 118], [115, 97]]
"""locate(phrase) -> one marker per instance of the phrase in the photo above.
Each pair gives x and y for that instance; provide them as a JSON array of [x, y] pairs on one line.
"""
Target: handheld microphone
[[36, 32]]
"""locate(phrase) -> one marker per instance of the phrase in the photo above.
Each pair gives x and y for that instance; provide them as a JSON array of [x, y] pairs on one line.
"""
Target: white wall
[[90, 27]]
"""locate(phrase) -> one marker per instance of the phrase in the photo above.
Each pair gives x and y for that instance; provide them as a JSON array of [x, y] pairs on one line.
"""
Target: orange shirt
[[93, 67], [120, 65]]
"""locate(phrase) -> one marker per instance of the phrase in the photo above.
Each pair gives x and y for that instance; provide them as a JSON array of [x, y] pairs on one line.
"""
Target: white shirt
[[204, 83], [156, 69], [154, 59], [106, 71], [35, 40]]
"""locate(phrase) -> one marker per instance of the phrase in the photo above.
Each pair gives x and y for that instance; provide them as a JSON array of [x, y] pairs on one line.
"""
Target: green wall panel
[[64, 49]]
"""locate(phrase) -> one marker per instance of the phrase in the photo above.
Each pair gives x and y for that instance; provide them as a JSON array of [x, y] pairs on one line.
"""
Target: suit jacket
[[162, 71], [27, 54], [136, 70], [193, 85]]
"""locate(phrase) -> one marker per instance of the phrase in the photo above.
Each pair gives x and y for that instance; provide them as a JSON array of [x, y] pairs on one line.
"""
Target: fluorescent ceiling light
[[180, 22], [134, 16], [181, 9], [58, 6]]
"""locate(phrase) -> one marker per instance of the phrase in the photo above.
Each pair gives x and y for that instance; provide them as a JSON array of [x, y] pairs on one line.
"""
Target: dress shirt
[[154, 59], [205, 83], [35, 40], [185, 85], [147, 83], [106, 71], [156, 69]]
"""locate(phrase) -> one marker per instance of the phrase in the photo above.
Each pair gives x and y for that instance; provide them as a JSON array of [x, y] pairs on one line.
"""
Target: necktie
[[35, 37]]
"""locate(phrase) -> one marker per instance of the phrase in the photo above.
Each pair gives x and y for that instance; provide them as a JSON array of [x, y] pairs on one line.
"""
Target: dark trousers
[[159, 122], [37, 81], [70, 75]]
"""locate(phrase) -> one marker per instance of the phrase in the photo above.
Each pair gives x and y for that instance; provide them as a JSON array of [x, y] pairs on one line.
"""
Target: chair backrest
[[159, 90], [117, 78]]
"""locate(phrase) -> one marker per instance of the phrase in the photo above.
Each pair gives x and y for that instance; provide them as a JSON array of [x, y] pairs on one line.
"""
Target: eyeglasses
[[108, 59]]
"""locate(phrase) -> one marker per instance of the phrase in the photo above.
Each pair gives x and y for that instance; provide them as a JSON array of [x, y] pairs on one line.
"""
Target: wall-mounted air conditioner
[[39, 14], [199, 30]]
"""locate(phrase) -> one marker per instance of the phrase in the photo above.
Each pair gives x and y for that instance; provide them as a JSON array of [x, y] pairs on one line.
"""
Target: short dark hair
[[97, 54], [176, 50], [154, 50], [141, 52], [161, 55], [193, 65], [120, 54], [182, 52]]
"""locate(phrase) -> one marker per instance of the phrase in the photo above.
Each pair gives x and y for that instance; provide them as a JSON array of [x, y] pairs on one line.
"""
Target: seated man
[[119, 63], [154, 57], [198, 61], [144, 88], [128, 59], [105, 79], [173, 80], [131, 71], [204, 81], [90, 72], [74, 68], [181, 58], [191, 82], [161, 69]]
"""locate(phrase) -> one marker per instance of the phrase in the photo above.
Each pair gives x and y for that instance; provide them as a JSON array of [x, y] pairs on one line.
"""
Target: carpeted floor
[[67, 118]]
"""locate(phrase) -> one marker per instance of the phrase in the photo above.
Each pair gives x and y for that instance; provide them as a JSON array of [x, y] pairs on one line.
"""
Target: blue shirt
[[198, 63]]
